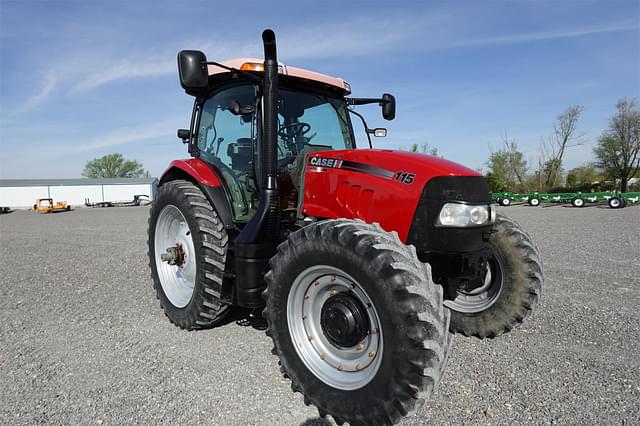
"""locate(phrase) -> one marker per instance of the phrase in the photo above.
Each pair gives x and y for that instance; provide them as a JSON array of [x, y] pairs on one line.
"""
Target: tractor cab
[[311, 117]]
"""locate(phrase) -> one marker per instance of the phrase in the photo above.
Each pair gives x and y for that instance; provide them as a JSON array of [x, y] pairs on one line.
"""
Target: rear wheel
[[578, 202], [187, 253], [534, 202], [356, 321], [505, 202], [615, 202], [510, 290]]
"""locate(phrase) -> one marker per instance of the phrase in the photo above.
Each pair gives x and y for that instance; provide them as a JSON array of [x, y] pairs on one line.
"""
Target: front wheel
[[510, 290], [187, 253], [356, 321], [578, 202], [534, 202], [505, 202]]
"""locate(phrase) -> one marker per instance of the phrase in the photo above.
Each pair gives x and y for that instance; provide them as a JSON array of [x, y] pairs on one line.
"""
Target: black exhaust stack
[[257, 241]]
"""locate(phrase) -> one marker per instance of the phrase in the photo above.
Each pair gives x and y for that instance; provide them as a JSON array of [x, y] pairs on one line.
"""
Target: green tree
[[517, 164], [113, 166], [507, 168], [582, 178], [498, 172], [618, 148]]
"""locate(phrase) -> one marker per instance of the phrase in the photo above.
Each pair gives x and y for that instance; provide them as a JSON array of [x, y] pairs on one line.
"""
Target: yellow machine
[[46, 205]]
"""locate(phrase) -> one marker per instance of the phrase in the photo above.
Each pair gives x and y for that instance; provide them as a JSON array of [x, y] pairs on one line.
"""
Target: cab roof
[[283, 69]]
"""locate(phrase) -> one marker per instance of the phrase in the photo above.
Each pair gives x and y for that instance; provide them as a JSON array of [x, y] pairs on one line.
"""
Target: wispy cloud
[[542, 36], [317, 42], [49, 84], [161, 129], [125, 69]]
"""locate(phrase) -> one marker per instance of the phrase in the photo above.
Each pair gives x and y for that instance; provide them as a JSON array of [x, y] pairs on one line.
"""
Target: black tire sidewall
[[396, 343], [514, 300], [169, 194]]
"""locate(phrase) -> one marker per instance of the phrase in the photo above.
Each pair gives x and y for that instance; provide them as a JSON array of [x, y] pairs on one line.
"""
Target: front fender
[[197, 169], [205, 177]]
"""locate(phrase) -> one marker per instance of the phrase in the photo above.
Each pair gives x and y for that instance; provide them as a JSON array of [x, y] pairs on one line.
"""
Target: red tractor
[[364, 260]]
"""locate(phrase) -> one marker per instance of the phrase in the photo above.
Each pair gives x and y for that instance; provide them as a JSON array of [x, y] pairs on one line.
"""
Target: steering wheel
[[293, 130]]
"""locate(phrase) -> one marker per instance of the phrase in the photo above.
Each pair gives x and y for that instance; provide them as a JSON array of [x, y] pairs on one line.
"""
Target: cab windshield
[[228, 138]]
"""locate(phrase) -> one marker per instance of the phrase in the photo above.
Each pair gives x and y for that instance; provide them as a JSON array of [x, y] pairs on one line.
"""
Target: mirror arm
[[365, 101], [364, 123]]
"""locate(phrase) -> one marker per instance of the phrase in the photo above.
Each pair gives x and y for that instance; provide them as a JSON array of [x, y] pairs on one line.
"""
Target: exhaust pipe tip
[[269, 41]]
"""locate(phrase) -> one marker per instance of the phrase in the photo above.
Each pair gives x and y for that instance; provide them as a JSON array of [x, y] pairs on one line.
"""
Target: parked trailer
[[138, 200], [614, 199]]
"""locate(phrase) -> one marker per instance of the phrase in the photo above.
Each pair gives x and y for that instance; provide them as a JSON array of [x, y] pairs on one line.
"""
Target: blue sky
[[80, 79]]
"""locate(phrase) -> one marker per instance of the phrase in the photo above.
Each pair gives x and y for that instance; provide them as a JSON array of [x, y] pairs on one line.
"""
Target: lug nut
[[372, 354]]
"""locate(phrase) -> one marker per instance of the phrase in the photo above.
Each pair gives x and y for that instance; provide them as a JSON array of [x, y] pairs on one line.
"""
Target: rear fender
[[207, 179]]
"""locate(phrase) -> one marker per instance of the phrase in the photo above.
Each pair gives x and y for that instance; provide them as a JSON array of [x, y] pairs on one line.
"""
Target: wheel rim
[[314, 295], [535, 202], [578, 202], [481, 298], [175, 256], [615, 203]]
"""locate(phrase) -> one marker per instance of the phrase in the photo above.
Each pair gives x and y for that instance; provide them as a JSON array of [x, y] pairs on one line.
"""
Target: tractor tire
[[505, 202], [512, 286], [189, 290], [578, 202], [357, 323], [615, 202], [534, 202]]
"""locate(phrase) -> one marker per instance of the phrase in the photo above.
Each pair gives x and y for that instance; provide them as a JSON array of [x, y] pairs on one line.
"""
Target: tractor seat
[[241, 154]]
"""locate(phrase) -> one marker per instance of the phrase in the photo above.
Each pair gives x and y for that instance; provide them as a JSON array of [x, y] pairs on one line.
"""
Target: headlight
[[461, 215]]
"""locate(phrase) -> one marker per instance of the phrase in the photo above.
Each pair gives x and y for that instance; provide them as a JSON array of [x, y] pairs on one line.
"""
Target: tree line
[[616, 156]]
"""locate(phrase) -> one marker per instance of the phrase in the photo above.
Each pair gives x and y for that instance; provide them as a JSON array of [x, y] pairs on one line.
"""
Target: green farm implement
[[614, 199]]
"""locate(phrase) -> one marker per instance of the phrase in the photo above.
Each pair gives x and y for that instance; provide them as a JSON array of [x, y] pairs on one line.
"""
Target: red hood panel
[[377, 185]]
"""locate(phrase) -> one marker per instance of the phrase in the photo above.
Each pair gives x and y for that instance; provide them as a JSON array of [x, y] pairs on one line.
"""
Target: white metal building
[[21, 193]]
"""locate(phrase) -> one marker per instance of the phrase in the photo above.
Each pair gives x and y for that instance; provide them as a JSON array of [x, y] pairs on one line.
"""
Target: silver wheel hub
[[334, 327], [483, 297], [175, 256]]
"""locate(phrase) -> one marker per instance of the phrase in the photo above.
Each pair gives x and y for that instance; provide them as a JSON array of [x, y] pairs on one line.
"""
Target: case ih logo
[[325, 162], [352, 166]]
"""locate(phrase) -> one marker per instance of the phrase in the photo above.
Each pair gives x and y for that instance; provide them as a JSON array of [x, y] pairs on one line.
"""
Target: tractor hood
[[411, 161], [377, 185]]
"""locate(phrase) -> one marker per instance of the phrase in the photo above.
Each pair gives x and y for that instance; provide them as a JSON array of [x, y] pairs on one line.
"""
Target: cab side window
[[226, 139], [224, 135]]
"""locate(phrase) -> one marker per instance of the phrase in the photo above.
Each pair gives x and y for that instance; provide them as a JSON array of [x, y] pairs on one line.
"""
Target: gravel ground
[[83, 339]]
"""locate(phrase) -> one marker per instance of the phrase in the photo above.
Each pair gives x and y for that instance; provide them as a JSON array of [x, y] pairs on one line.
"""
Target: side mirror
[[184, 134], [388, 107], [192, 67]]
